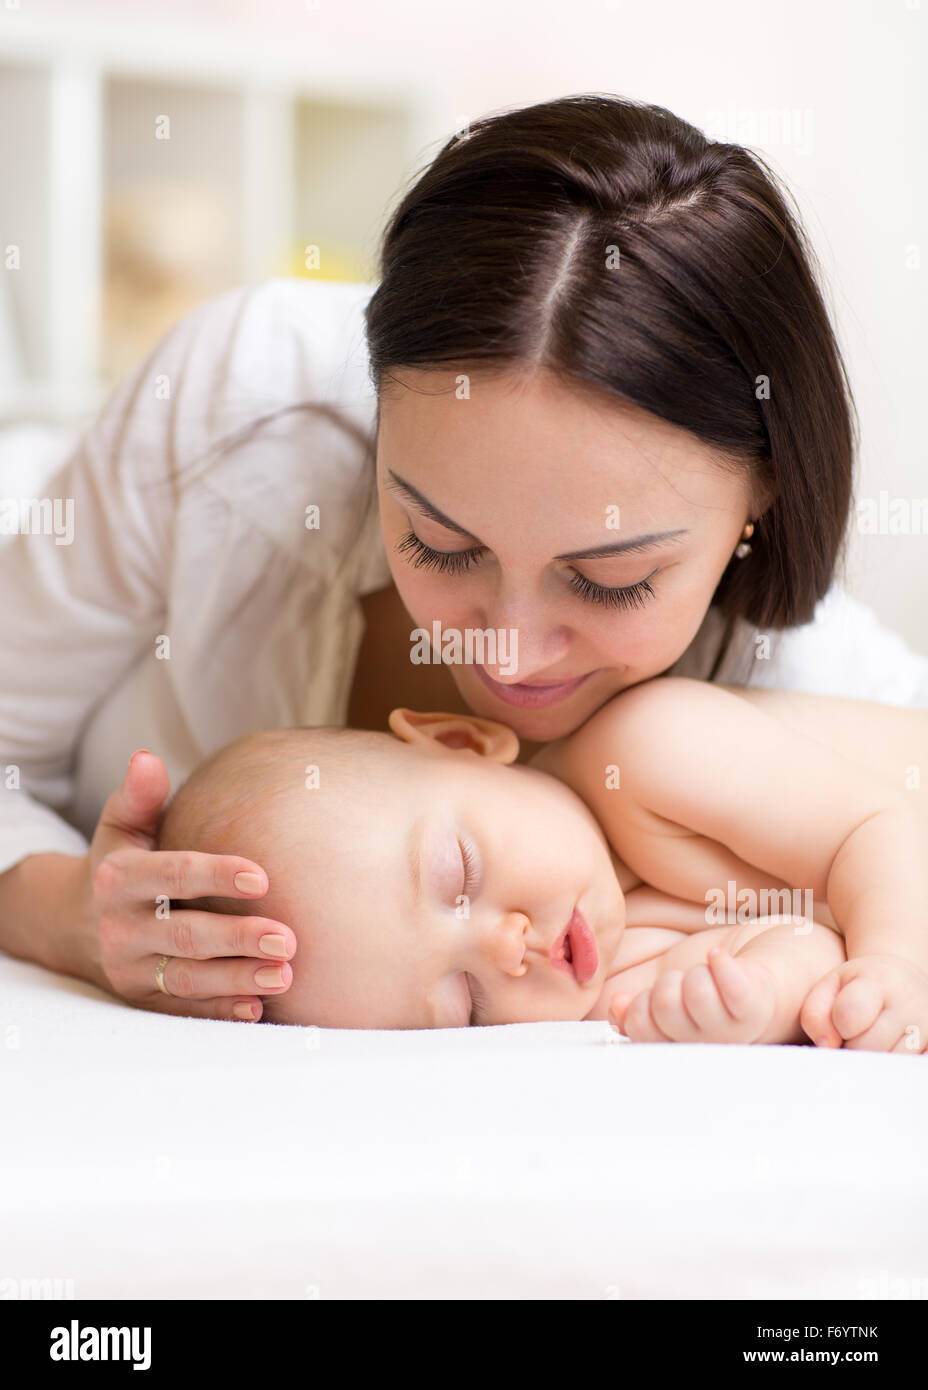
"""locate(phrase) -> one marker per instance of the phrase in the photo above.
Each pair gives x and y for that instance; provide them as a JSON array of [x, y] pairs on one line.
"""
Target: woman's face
[[593, 530]]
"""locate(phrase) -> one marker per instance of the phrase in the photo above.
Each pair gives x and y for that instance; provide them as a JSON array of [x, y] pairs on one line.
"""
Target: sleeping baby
[[696, 863]]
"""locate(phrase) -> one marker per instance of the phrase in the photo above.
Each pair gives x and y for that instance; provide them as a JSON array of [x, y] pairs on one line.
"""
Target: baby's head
[[429, 882]]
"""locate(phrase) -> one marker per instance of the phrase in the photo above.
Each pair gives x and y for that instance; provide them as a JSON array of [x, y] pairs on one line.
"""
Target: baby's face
[[435, 891]]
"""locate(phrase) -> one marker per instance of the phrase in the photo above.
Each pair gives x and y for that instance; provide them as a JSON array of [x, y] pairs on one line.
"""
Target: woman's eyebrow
[[623, 547], [428, 507], [635, 543]]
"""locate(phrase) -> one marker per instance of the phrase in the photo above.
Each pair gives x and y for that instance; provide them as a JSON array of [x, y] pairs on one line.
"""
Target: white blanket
[[150, 1156]]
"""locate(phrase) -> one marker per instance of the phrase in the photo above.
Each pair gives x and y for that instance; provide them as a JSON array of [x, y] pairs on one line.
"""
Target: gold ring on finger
[[159, 973]]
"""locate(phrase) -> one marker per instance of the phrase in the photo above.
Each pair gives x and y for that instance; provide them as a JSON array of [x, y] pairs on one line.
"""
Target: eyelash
[[468, 854], [423, 556], [477, 996], [478, 1002]]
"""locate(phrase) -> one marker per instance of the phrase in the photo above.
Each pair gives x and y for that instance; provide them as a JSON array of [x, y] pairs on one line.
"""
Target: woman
[[609, 417]]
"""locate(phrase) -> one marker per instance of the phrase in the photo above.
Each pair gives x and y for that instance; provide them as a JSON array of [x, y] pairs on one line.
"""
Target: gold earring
[[742, 548]]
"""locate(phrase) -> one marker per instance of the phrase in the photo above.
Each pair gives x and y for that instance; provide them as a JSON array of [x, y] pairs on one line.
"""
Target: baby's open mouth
[[575, 952]]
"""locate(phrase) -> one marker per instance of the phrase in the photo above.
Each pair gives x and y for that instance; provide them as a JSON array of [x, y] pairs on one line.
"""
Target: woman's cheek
[[650, 639], [423, 602], [411, 585], [429, 600], [631, 639]]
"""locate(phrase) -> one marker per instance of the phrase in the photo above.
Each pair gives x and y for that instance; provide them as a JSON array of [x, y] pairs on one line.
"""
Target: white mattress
[[149, 1156]]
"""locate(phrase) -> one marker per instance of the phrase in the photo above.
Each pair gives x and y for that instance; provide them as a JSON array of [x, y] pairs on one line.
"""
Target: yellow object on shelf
[[341, 263]]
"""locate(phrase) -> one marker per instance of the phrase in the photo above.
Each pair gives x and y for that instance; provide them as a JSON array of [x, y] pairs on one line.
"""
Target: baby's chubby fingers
[[668, 1014], [913, 1041], [703, 1003], [633, 1017], [857, 1007], [883, 1034], [736, 985], [815, 1015], [870, 1003], [618, 1008]]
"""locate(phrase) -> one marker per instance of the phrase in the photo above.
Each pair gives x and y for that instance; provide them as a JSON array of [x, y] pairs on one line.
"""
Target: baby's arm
[[734, 984], [706, 788]]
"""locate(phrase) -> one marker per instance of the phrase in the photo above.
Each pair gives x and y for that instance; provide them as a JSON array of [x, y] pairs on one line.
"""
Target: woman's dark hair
[[500, 253]]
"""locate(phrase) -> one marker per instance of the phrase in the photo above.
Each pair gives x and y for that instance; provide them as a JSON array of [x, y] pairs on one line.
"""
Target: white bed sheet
[[150, 1156]]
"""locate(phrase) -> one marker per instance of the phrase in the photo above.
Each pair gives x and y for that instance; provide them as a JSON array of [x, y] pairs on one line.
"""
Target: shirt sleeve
[[81, 608], [845, 650]]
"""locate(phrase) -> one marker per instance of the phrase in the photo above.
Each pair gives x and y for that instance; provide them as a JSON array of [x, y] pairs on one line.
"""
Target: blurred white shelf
[[271, 148], [40, 400]]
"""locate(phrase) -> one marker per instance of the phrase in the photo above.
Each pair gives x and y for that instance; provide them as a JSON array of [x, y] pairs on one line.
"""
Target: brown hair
[[498, 254]]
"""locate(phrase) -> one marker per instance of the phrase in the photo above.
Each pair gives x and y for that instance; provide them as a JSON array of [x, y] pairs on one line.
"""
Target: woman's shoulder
[[278, 415], [848, 650], [311, 330], [252, 354], [843, 650], [282, 341]]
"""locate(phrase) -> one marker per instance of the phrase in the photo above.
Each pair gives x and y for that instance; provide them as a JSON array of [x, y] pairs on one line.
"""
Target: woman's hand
[[219, 964]]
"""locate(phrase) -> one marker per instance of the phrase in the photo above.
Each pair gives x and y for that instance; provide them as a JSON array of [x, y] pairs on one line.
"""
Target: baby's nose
[[506, 943]]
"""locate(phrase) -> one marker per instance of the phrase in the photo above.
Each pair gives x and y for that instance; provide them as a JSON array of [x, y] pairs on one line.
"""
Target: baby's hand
[[732, 999], [874, 1003]]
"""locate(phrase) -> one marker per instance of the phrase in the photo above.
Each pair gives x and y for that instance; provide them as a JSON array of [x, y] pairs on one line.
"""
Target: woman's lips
[[532, 694], [575, 951]]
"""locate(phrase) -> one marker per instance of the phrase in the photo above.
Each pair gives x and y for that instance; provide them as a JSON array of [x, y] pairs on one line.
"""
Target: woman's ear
[[468, 731], [763, 497]]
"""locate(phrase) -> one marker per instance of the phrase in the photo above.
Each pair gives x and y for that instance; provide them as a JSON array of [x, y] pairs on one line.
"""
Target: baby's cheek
[[540, 1004]]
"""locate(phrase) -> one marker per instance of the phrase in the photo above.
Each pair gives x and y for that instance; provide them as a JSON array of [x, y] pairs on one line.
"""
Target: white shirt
[[210, 550]]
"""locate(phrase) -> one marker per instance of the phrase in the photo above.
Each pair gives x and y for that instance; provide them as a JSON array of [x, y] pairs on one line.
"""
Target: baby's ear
[[467, 731]]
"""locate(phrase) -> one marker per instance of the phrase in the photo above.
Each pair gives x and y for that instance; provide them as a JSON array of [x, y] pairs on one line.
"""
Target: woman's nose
[[505, 943], [532, 644]]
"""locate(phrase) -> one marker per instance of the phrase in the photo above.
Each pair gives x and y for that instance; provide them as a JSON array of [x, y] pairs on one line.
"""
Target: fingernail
[[273, 945], [248, 882], [246, 1012], [137, 751], [269, 976]]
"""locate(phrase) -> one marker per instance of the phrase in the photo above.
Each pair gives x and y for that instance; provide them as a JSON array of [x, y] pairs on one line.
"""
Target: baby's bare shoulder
[[657, 719]]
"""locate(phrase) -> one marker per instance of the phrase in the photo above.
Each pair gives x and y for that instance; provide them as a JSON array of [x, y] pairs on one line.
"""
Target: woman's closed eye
[[454, 562]]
